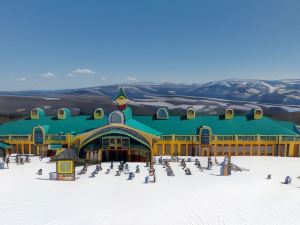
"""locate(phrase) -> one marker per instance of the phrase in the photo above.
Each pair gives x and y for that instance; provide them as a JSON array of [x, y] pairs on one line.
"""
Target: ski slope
[[245, 198]]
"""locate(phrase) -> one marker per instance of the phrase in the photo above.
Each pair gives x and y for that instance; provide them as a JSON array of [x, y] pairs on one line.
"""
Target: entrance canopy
[[120, 131]]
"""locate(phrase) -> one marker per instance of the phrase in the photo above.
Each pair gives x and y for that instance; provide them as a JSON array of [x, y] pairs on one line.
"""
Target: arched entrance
[[116, 144]]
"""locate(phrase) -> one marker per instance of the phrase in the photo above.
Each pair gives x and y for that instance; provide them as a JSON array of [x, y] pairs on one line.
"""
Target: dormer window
[[63, 114], [116, 117], [99, 113], [37, 113], [229, 114], [162, 114], [190, 113], [258, 113]]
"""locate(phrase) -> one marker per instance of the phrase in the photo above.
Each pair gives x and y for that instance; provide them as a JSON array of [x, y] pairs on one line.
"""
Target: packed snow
[[203, 198]]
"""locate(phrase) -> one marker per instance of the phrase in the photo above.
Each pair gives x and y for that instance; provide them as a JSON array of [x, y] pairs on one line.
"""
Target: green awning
[[4, 145]]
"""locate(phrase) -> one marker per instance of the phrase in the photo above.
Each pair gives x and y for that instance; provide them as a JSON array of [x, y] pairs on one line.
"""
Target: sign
[[54, 147], [65, 167]]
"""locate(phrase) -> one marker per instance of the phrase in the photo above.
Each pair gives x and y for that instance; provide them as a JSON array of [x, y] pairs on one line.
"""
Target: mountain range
[[278, 98]]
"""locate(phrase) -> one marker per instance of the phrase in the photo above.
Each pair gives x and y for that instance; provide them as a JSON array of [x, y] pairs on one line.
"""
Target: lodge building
[[121, 135]]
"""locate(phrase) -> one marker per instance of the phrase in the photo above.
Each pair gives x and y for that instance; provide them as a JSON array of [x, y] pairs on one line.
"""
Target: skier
[[7, 162]]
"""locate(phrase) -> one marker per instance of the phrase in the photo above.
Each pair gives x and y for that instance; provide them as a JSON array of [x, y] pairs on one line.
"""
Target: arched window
[[190, 113], [162, 114], [37, 113], [116, 117], [38, 136], [99, 113], [258, 114], [63, 113], [205, 134], [229, 114]]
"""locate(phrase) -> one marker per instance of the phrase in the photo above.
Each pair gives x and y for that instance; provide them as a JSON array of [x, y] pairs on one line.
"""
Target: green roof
[[239, 125], [142, 127], [78, 124], [4, 145]]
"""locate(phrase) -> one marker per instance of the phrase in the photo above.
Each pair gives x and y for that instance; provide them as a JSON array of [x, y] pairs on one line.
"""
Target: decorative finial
[[121, 99]]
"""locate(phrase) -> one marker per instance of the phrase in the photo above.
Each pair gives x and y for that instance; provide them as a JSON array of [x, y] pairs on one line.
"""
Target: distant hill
[[279, 98]]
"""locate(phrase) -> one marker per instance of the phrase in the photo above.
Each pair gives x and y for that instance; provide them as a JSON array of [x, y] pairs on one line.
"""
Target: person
[[7, 162]]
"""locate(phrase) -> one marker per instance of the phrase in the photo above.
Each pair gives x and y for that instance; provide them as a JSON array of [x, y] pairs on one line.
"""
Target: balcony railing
[[20, 138], [233, 138]]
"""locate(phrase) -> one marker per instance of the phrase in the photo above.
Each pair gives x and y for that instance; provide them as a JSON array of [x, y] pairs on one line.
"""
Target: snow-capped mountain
[[261, 91], [276, 97]]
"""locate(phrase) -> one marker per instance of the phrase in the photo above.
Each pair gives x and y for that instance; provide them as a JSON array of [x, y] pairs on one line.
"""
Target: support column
[[215, 150], [223, 150], [99, 155], [285, 150], [186, 150], [128, 155], [179, 149], [266, 150]]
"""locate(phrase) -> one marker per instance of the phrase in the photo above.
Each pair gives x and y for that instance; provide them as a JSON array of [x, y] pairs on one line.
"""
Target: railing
[[290, 138], [20, 138], [239, 138], [247, 137], [269, 138], [223, 138], [179, 137], [166, 138], [4, 138], [187, 137]]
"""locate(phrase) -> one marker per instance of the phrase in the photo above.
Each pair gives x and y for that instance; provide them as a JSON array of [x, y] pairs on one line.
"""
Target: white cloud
[[131, 78], [22, 79], [103, 78], [48, 75], [83, 72], [70, 75]]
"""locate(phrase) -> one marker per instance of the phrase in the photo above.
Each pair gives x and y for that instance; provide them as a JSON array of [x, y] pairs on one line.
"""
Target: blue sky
[[68, 44]]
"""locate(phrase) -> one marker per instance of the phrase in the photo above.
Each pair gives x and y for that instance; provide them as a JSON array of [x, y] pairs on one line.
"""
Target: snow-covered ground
[[202, 198]]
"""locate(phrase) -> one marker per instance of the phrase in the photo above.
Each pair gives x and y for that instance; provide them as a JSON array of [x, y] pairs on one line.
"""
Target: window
[[232, 149], [219, 150], [159, 149], [190, 113], [183, 150], [99, 113], [240, 149], [116, 117], [269, 150], [38, 136], [167, 149], [262, 150], [205, 136], [162, 114], [229, 114], [254, 150], [175, 150], [258, 113]]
